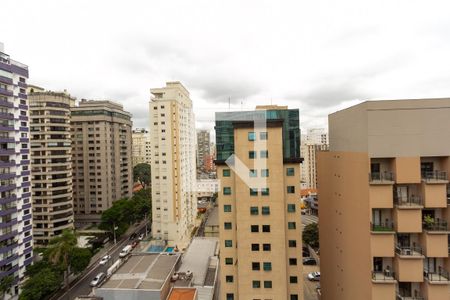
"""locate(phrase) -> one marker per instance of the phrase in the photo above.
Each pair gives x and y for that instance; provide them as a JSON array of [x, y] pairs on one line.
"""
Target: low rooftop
[[213, 217], [182, 294]]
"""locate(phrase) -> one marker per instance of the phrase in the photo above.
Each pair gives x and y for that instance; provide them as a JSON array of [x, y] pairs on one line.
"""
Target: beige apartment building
[[101, 156], [259, 209], [172, 131], [383, 210], [141, 150], [51, 163]]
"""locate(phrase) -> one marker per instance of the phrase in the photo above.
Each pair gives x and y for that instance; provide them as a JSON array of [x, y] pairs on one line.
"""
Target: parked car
[[125, 251], [134, 244], [314, 276], [98, 279], [309, 261], [105, 259]]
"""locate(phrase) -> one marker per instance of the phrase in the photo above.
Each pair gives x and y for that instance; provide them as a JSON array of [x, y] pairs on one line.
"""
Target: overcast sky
[[318, 56]]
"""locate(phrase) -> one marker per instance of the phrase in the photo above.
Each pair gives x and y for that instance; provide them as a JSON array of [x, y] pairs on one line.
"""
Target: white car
[[141, 236], [105, 259], [314, 276], [98, 279]]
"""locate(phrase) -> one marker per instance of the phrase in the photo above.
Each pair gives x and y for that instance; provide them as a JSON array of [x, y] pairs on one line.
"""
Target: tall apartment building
[[101, 157], [51, 163], [15, 195], [172, 131], [316, 140], [203, 149], [141, 146], [318, 136], [383, 202], [258, 164]]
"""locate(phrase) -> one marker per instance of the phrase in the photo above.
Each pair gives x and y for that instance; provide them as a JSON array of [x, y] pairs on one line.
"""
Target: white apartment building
[[173, 163], [316, 140], [141, 150]]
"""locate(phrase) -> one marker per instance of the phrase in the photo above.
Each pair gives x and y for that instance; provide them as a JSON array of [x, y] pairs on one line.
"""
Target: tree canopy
[[311, 235], [142, 174]]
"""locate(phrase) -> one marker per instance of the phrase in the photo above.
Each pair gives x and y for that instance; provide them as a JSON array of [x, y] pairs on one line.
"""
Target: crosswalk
[[308, 219]]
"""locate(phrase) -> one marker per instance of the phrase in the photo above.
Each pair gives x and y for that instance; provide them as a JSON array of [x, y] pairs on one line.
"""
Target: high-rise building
[[141, 146], [258, 164], [101, 157], [203, 149], [383, 202], [15, 195], [316, 140], [318, 136], [172, 132], [51, 163]]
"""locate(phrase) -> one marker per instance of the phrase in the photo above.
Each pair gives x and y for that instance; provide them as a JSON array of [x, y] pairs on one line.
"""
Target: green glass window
[[265, 173], [290, 172], [226, 172], [253, 173], [227, 190], [265, 191], [251, 154], [253, 192], [228, 243], [251, 136], [267, 266], [291, 225], [227, 208], [265, 210], [267, 284], [264, 154], [291, 208], [263, 135], [227, 225], [291, 189], [256, 284], [292, 243], [254, 210], [228, 260]]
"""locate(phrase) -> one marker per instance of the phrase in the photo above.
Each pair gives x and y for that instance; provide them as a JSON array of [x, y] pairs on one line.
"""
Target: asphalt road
[[308, 219], [309, 287], [82, 287]]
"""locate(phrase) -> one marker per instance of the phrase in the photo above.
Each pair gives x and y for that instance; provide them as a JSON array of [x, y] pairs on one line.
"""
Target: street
[[309, 287], [308, 219], [82, 287]]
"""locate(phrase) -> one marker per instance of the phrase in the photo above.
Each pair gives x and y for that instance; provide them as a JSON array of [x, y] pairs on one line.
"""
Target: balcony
[[439, 276], [401, 297], [382, 227], [386, 276], [432, 225], [385, 177], [412, 201], [435, 177], [408, 251]]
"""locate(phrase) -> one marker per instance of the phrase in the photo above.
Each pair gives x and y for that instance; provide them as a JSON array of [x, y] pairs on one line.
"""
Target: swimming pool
[[155, 249], [169, 249]]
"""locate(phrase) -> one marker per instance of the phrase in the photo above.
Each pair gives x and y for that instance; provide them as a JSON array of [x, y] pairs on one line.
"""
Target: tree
[[142, 174], [58, 252], [79, 259], [40, 286], [311, 235], [5, 284]]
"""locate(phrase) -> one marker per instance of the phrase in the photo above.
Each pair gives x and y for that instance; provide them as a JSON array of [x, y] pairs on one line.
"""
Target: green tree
[[58, 252], [5, 284], [115, 216], [40, 286], [142, 174], [79, 259], [311, 235]]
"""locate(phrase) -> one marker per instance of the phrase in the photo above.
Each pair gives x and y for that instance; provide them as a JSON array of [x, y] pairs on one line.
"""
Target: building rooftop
[[182, 294], [146, 271], [213, 217]]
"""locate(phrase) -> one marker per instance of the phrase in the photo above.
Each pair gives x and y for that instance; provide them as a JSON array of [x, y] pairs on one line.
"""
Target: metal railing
[[400, 297], [386, 275], [408, 250], [382, 226], [434, 175], [381, 176], [408, 201], [440, 275], [437, 225]]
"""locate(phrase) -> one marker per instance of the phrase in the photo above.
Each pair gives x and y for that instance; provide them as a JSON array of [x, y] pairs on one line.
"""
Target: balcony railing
[[386, 275], [381, 176], [400, 297], [434, 176], [440, 275], [408, 251], [411, 200], [435, 226], [382, 226]]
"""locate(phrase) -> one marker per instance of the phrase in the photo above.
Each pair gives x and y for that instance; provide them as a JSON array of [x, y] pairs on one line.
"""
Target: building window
[[256, 284], [293, 279], [255, 247], [291, 208], [228, 243], [267, 247], [226, 172], [267, 266], [227, 225], [251, 154], [263, 135], [294, 297], [290, 172], [292, 261], [251, 136], [264, 154], [265, 210], [227, 191], [291, 225], [265, 173], [291, 189], [265, 191], [253, 173], [256, 266], [253, 192], [254, 210], [267, 284], [254, 228], [265, 228], [230, 296], [292, 243], [228, 260], [229, 278]]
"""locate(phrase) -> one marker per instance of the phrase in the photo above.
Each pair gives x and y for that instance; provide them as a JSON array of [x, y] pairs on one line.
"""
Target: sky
[[318, 56]]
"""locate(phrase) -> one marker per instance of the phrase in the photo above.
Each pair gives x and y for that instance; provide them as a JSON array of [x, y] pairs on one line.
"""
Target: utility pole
[[114, 230], [146, 223]]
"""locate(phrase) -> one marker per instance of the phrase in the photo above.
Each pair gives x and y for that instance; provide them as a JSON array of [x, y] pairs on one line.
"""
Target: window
[[291, 208], [294, 297], [254, 228], [265, 210], [267, 247], [253, 173], [256, 284], [256, 266], [292, 261], [267, 284], [251, 154], [227, 208], [251, 136], [290, 172], [265, 173], [226, 172], [293, 279], [227, 191], [263, 135], [291, 189], [291, 225], [228, 243], [228, 260], [264, 154], [253, 192], [265, 191], [227, 225], [292, 243], [267, 266], [230, 296], [255, 247], [253, 210], [266, 228], [229, 278]]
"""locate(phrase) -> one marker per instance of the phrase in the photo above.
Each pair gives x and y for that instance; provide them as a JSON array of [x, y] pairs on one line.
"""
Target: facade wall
[[141, 147]]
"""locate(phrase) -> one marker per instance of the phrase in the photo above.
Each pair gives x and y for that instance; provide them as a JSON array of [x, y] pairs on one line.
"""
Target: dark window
[[253, 210], [228, 260], [230, 296], [228, 243], [292, 261], [267, 284], [254, 228], [265, 210], [256, 266], [294, 297], [265, 191], [291, 225], [291, 189], [255, 247], [229, 278], [253, 192], [227, 208], [291, 208], [227, 225], [267, 266], [226, 173], [292, 243], [256, 284], [290, 172], [266, 228], [227, 191], [251, 154], [293, 279], [267, 247]]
